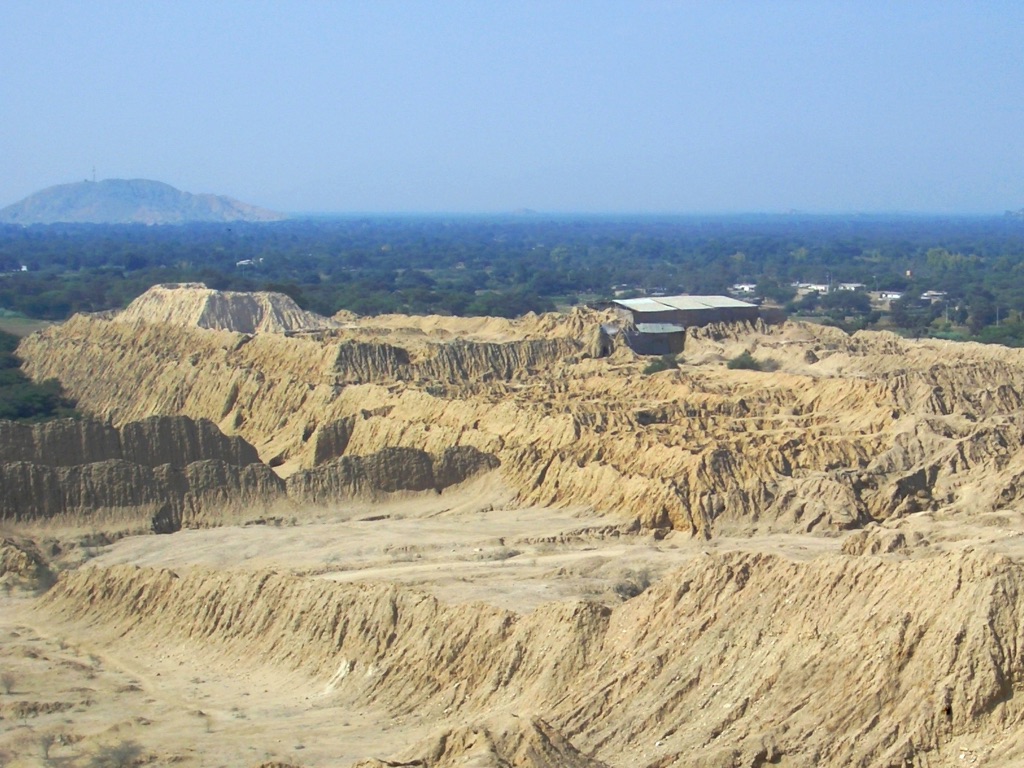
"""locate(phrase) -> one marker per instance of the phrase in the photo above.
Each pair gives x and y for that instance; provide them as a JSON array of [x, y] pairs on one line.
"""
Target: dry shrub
[[124, 754]]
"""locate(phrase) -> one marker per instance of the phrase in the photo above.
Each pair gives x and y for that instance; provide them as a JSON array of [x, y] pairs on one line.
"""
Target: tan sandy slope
[[507, 545], [732, 659], [845, 431]]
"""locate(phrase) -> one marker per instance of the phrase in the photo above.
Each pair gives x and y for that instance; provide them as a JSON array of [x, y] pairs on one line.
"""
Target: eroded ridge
[[730, 659], [842, 432]]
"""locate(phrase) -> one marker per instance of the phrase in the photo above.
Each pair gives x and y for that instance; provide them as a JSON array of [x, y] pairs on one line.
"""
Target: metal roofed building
[[657, 325], [660, 328], [687, 311], [645, 310]]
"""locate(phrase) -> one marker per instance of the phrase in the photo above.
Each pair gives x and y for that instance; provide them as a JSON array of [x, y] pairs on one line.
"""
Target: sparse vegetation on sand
[[744, 361], [663, 363]]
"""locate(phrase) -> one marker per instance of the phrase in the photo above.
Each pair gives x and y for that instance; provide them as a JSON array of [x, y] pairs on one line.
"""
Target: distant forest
[[510, 265]]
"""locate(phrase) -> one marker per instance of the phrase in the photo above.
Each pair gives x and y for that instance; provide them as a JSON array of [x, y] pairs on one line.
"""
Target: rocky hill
[[128, 201]]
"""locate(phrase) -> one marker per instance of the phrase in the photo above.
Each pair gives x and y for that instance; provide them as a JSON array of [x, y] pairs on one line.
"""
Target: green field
[[19, 325]]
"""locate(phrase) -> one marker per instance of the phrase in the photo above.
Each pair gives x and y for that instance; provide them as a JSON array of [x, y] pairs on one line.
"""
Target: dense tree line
[[510, 265], [22, 399]]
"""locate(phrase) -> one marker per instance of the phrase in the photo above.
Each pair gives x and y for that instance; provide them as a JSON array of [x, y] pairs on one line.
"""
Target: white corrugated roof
[[643, 305], [703, 302], [663, 303], [726, 301], [685, 302]]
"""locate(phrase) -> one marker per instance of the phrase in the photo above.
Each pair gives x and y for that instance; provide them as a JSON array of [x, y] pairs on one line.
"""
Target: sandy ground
[[470, 545], [76, 692], [91, 694], [82, 691]]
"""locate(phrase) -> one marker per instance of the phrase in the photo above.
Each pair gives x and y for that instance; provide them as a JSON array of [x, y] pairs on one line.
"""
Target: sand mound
[[573, 324], [499, 742], [195, 305], [22, 563]]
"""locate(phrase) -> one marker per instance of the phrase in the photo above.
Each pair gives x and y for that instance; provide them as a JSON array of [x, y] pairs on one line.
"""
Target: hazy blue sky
[[555, 105]]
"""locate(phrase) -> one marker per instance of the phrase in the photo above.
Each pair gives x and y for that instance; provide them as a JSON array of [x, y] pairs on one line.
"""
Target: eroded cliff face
[[158, 473], [387, 471], [735, 659], [169, 472], [174, 440], [896, 644], [845, 431]]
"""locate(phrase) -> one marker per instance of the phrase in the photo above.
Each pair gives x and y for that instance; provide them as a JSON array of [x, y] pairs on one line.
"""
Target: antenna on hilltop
[[94, 174]]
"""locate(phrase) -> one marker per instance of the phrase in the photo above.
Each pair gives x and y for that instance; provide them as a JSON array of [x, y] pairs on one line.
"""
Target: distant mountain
[[128, 201]]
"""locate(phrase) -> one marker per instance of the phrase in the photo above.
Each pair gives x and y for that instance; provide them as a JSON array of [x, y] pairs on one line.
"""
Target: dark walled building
[[657, 325]]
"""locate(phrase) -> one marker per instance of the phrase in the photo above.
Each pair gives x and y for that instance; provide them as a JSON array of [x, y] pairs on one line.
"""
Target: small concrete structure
[[656, 338]]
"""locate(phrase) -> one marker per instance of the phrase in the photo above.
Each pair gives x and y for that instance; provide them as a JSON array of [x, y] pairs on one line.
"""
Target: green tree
[[744, 361], [773, 290], [981, 310], [23, 399], [847, 302]]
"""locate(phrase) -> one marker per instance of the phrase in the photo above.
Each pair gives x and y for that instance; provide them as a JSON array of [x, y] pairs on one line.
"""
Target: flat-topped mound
[[579, 323], [195, 305]]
